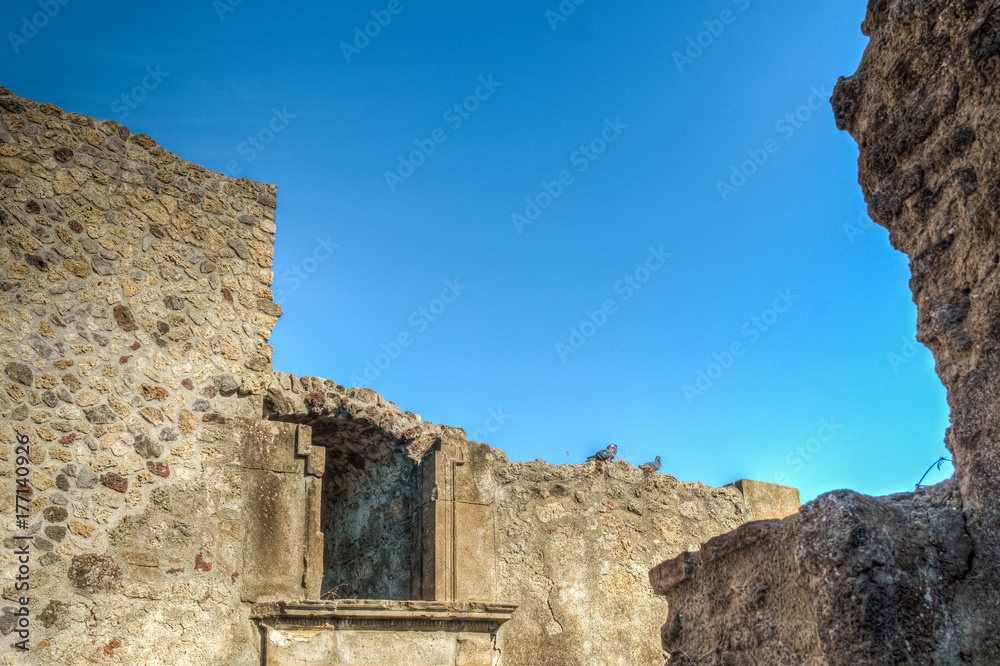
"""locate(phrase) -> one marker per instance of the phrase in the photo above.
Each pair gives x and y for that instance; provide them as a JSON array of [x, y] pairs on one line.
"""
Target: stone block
[[274, 540], [667, 574], [769, 501]]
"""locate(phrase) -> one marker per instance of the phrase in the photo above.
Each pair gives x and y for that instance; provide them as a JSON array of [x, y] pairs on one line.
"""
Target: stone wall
[[134, 319], [570, 546], [574, 545], [173, 480], [911, 578]]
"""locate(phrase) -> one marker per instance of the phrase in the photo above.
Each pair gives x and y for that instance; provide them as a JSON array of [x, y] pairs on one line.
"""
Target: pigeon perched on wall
[[654, 466], [605, 454]]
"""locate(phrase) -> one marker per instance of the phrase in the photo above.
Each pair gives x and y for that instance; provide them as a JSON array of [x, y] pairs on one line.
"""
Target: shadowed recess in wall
[[369, 514]]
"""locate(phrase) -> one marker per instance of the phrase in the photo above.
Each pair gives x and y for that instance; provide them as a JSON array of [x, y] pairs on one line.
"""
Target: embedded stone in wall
[[100, 415], [55, 514], [20, 373], [95, 572], [123, 315], [115, 482]]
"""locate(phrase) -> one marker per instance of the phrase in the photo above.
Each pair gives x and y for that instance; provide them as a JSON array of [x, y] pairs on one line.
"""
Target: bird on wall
[[654, 466], [605, 454]]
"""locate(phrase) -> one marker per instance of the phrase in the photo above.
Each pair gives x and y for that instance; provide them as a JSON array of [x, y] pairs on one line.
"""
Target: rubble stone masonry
[[134, 318], [173, 482]]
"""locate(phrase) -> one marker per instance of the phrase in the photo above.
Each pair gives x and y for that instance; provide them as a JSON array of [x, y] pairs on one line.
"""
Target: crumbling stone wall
[[169, 486], [134, 319], [574, 545], [570, 545], [911, 578]]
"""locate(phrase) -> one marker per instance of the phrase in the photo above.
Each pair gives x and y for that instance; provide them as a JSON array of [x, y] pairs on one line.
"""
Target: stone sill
[[379, 614]]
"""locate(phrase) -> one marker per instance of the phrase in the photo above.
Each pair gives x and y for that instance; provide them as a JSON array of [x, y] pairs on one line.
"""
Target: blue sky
[[554, 225]]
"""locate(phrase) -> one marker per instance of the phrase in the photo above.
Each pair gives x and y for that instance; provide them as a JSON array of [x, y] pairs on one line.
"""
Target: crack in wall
[[548, 602], [497, 652]]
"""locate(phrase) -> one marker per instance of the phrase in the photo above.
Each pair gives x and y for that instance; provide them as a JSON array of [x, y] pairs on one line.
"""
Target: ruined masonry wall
[[574, 545], [134, 319], [909, 578], [571, 545]]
